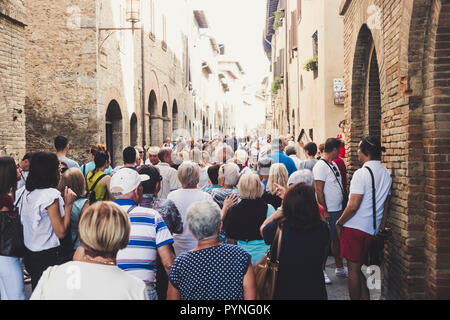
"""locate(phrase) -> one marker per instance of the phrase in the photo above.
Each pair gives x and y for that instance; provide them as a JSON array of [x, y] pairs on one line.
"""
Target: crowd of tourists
[[192, 220]]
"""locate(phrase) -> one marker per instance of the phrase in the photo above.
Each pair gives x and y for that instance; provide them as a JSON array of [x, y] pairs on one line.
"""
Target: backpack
[[90, 195]]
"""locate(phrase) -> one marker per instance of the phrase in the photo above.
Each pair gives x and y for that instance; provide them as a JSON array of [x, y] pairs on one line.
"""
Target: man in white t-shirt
[[170, 180], [329, 191], [149, 235], [356, 225]]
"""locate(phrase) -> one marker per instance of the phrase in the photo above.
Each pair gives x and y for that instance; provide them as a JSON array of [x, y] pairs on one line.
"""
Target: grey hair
[[306, 176], [203, 219], [290, 150], [189, 174], [231, 173]]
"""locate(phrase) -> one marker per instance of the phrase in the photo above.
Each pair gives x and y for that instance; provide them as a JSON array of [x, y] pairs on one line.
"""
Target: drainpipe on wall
[[286, 69], [143, 89]]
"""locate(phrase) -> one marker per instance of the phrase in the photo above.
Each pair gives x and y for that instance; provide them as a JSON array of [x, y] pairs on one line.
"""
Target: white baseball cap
[[125, 181]]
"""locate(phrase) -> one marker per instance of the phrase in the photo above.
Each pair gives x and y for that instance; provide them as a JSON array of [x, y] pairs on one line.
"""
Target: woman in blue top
[[211, 271], [74, 180], [242, 221]]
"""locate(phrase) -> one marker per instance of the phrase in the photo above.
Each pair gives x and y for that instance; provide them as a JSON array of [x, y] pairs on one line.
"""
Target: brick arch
[[365, 94], [436, 141]]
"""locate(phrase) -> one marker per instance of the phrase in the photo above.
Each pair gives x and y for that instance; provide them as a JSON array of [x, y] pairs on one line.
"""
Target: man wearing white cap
[[149, 235]]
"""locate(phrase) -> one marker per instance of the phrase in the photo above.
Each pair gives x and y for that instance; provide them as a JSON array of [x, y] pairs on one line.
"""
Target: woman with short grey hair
[[212, 270], [188, 174], [306, 176], [228, 179]]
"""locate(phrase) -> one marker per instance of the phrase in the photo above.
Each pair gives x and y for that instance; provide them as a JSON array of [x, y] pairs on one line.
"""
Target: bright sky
[[239, 24]]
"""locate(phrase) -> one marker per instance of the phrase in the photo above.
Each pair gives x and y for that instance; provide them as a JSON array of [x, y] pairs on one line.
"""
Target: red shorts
[[355, 245]]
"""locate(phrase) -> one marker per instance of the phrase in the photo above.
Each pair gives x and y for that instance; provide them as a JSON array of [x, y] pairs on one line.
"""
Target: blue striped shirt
[[148, 233]]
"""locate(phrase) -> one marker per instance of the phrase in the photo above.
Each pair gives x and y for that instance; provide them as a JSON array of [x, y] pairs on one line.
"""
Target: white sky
[[239, 24]]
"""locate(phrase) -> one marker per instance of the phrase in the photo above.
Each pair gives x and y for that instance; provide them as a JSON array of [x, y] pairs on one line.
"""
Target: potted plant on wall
[[312, 64], [276, 85], [278, 21]]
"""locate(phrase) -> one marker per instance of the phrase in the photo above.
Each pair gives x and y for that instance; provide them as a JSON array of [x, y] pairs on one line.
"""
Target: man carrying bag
[[362, 224]]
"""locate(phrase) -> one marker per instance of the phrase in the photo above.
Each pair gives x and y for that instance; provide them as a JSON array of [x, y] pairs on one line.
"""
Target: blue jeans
[[11, 279]]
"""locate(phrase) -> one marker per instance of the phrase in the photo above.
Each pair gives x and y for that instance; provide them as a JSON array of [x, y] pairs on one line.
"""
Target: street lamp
[[133, 13]]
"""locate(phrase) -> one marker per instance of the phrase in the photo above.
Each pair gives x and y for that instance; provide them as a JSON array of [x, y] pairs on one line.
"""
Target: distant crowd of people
[[191, 219]]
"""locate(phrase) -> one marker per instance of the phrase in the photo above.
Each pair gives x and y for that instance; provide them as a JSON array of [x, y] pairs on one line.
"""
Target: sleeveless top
[[100, 191]]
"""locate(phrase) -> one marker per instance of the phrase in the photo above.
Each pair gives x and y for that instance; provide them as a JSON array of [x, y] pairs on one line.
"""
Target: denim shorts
[[334, 218], [151, 291]]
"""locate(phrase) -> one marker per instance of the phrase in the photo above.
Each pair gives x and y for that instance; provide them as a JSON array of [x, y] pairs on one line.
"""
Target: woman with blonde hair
[[73, 179], [278, 177], [104, 230], [242, 221]]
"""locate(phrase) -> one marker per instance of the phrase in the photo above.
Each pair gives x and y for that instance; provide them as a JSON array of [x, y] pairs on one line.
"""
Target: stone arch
[[114, 131], [133, 130], [165, 98], [153, 85], [155, 119]]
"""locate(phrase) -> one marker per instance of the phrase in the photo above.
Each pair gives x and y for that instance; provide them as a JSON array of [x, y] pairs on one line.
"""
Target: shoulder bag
[[344, 194], [375, 253], [11, 232], [266, 271], [91, 196]]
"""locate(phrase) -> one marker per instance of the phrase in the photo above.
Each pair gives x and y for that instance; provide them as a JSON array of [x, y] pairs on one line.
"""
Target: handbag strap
[[278, 237], [374, 210], [339, 183]]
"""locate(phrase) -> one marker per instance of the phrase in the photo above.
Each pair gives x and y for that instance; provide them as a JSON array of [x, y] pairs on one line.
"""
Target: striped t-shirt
[[148, 233]]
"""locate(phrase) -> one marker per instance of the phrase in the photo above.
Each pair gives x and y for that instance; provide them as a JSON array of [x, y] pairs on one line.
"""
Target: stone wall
[[405, 45], [12, 78], [61, 66]]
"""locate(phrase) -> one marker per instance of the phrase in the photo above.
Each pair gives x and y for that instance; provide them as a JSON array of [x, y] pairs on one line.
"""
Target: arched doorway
[[166, 121], [133, 130], [114, 131], [152, 109], [365, 93], [174, 115]]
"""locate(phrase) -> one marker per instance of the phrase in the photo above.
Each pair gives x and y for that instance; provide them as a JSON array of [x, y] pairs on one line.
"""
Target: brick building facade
[[12, 78], [397, 75]]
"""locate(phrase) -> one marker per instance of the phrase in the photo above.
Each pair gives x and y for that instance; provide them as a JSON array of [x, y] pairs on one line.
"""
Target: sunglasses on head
[[336, 171]]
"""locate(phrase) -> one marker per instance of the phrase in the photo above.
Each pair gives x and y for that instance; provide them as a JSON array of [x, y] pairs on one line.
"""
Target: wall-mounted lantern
[[133, 11]]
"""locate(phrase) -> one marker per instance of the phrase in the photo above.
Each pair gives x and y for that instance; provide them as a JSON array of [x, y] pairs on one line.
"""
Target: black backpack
[[90, 195]]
